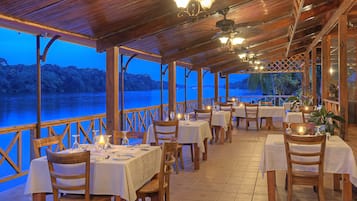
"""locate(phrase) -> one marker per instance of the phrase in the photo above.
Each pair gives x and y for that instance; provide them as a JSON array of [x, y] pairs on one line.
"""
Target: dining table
[[339, 160], [263, 111], [195, 132], [221, 119], [119, 171]]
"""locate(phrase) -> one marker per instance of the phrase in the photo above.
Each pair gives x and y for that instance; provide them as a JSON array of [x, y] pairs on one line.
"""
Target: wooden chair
[[251, 114], [305, 159], [159, 187], [228, 107], [53, 143], [135, 135], [206, 115], [265, 103], [167, 131], [71, 178]]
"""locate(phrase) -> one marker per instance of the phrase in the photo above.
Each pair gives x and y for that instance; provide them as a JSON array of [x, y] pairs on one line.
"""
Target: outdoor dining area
[[219, 148]]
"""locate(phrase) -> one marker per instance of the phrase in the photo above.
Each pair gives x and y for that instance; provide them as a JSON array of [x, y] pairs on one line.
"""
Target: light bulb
[[181, 3], [223, 39], [206, 4], [237, 41]]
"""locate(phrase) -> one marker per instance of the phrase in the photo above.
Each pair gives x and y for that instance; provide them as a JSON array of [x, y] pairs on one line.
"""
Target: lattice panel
[[292, 64]]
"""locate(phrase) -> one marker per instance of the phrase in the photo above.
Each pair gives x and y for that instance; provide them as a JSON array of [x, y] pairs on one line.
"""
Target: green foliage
[[21, 79], [328, 119]]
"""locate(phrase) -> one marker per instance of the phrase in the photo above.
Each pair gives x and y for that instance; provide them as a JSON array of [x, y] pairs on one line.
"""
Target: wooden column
[[326, 61], [172, 86], [227, 87], [306, 78], [112, 90], [342, 73], [199, 88], [313, 75], [216, 87]]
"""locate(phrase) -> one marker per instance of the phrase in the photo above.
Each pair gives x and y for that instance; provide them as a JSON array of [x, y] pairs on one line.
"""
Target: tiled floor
[[231, 173]]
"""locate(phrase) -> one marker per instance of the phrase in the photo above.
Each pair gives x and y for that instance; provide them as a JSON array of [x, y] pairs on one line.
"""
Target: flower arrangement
[[327, 119]]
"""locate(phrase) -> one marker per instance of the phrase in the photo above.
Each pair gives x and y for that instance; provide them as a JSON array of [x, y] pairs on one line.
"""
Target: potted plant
[[295, 102], [327, 119]]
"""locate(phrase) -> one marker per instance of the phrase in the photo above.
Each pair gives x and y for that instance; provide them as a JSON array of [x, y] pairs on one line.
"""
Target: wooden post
[[172, 86], [227, 87], [326, 60], [199, 88], [306, 76], [38, 61], [342, 73], [313, 76], [112, 90], [216, 87]]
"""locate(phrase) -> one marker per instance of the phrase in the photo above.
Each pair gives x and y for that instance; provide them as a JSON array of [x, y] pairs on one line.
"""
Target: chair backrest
[[227, 107], [296, 126], [204, 114], [303, 153], [63, 180], [165, 131], [266, 103], [167, 160], [135, 135], [251, 110], [53, 143]]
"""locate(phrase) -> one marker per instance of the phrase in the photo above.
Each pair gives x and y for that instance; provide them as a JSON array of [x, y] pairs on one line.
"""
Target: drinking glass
[[172, 115], [187, 116], [288, 130], [75, 143], [318, 130], [125, 140]]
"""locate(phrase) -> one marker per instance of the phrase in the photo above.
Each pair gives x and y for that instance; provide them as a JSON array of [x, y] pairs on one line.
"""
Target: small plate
[[122, 157]]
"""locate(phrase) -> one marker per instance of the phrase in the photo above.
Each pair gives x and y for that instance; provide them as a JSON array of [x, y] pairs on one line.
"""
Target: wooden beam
[[202, 47], [326, 46], [269, 43], [298, 5], [313, 76], [306, 77], [112, 91], [345, 6], [237, 69], [230, 64], [227, 87], [199, 88], [342, 74], [319, 10], [216, 87], [38, 29], [172, 86]]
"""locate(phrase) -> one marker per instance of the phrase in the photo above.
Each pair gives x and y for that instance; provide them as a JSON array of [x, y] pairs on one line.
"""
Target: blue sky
[[20, 48]]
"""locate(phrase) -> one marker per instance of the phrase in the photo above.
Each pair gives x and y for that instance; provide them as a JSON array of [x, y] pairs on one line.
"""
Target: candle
[[208, 107], [241, 105], [233, 99], [179, 116], [301, 130], [306, 108], [101, 140]]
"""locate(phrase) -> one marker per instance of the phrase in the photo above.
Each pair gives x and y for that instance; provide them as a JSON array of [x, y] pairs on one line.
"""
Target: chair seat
[[80, 197], [151, 187]]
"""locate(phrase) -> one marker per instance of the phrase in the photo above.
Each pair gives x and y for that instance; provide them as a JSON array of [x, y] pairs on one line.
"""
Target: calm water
[[20, 110]]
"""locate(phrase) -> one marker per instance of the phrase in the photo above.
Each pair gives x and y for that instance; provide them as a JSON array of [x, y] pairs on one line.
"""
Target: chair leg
[[290, 191], [191, 152], [321, 192], [237, 119], [176, 161], [181, 159], [261, 121]]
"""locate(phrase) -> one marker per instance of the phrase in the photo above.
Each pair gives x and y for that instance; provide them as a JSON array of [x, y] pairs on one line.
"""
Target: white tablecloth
[[221, 118], [188, 132], [264, 111], [339, 157], [294, 117], [108, 176]]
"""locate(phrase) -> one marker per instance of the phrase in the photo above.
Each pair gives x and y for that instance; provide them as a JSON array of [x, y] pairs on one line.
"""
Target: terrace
[[286, 36]]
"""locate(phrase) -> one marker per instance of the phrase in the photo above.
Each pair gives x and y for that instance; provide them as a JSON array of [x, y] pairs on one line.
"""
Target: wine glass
[[125, 140], [318, 130], [75, 143], [288, 130], [172, 115], [187, 116]]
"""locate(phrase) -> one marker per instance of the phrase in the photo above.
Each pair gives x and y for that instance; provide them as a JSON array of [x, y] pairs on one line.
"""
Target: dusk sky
[[20, 48]]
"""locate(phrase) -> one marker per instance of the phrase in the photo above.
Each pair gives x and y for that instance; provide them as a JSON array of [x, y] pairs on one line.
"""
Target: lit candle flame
[[233, 99], [101, 140], [301, 130], [179, 116], [208, 107], [306, 108]]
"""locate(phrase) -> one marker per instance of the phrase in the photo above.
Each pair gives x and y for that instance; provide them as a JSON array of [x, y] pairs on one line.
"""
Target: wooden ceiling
[[273, 29]]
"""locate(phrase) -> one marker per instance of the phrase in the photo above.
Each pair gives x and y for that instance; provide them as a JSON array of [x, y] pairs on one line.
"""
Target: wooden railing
[[332, 106], [14, 161]]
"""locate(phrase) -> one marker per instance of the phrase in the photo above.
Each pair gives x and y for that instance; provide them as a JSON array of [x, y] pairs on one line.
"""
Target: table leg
[[336, 182], [221, 135], [347, 188], [269, 122], [196, 160], [271, 185], [204, 155], [38, 196]]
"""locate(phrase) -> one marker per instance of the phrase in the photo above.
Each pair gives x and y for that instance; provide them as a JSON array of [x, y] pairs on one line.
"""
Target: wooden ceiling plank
[[236, 69], [34, 28], [209, 45], [230, 64], [345, 6], [298, 5], [219, 58], [269, 43]]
